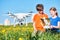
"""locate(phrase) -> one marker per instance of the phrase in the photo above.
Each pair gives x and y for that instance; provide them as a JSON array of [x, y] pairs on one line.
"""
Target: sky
[[24, 6]]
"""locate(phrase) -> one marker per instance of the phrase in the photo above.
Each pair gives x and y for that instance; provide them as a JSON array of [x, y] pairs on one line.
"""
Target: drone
[[19, 17]]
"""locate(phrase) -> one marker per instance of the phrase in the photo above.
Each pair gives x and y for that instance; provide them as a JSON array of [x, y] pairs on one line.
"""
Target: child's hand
[[51, 26]]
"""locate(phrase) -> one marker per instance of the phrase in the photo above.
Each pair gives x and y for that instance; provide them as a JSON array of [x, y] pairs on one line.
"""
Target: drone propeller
[[11, 15], [28, 15]]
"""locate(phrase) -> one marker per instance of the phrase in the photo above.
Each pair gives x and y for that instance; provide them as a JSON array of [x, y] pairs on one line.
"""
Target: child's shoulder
[[35, 14], [45, 15], [59, 18]]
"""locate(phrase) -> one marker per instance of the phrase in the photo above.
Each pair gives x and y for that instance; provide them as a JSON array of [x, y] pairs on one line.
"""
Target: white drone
[[19, 17]]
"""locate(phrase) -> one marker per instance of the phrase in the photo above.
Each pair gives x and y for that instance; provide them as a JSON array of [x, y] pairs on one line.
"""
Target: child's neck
[[54, 16], [41, 13]]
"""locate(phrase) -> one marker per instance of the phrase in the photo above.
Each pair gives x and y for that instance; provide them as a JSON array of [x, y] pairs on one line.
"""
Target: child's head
[[53, 11], [39, 8]]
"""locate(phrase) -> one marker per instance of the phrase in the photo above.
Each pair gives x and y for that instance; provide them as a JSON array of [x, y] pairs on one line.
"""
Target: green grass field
[[25, 33]]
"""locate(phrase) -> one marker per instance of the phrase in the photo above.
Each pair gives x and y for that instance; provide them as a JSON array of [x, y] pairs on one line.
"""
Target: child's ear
[[55, 11]]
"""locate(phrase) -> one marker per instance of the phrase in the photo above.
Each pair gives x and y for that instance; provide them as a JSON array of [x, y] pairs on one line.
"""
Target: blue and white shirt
[[54, 21]]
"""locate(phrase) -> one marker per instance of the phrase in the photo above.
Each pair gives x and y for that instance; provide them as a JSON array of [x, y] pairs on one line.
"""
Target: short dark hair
[[39, 5]]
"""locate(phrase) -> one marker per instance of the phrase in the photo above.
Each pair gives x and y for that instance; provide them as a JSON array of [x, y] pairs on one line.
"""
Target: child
[[38, 23], [54, 20]]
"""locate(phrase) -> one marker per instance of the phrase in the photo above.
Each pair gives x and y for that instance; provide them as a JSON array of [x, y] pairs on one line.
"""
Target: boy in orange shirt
[[38, 23]]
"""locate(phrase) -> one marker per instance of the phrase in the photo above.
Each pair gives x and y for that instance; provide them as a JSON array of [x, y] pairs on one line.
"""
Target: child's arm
[[59, 24], [34, 27]]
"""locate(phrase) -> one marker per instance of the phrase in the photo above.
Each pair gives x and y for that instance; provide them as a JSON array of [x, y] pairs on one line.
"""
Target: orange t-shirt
[[38, 22]]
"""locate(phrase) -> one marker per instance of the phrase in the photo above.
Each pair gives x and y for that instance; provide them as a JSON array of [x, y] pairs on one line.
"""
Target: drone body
[[19, 17]]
